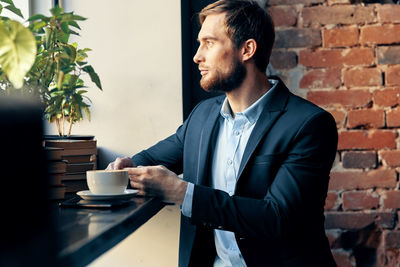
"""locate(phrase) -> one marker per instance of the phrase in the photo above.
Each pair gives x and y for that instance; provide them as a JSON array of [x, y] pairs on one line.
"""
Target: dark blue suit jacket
[[277, 211]]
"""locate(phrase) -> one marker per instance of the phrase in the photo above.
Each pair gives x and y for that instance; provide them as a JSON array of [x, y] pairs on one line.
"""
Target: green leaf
[[63, 37], [74, 24], [38, 25], [93, 75], [17, 51], [76, 17], [56, 11], [10, 2], [14, 10], [87, 112], [64, 27], [82, 91], [38, 17], [1, 8], [74, 32]]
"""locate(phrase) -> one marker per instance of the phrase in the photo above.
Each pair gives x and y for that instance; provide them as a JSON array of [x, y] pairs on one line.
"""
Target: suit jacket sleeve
[[297, 192], [168, 152]]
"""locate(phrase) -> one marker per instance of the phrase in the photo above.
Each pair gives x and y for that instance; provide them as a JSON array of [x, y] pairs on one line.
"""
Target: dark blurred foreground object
[[26, 230]]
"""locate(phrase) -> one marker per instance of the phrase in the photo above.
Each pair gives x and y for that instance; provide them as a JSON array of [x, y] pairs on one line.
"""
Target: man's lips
[[203, 71]]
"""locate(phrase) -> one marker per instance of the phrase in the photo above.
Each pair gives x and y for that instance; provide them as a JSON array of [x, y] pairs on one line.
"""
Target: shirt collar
[[253, 112]]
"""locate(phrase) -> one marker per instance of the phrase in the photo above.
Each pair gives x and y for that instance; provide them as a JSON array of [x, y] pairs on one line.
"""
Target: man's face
[[218, 59]]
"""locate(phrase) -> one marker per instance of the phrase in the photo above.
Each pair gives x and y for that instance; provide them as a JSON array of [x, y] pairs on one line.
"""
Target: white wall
[[137, 54]]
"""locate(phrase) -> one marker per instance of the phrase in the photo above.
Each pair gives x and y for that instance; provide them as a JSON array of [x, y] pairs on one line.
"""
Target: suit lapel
[[274, 107], [206, 137]]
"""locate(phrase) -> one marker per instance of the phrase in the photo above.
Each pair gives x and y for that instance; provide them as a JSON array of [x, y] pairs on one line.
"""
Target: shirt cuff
[[186, 207]]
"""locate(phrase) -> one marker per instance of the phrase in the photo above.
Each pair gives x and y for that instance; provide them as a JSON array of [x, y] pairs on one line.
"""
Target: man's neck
[[254, 86]]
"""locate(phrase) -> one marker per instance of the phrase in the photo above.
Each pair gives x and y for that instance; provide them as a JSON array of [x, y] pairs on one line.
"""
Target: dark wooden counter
[[83, 234]]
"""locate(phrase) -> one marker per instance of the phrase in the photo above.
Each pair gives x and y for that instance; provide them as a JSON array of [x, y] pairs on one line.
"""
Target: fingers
[[110, 166], [120, 163]]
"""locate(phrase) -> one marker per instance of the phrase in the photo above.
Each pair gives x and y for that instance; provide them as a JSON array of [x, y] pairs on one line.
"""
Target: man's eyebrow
[[207, 38]]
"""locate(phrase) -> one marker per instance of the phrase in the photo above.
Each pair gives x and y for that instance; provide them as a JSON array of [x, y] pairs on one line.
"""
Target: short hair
[[244, 20]]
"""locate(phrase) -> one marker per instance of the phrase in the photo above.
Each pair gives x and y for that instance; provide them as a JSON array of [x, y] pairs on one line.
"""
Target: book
[[73, 186], [53, 153], [74, 176], [78, 158], [57, 192], [55, 178], [71, 144], [56, 166], [78, 152], [79, 167]]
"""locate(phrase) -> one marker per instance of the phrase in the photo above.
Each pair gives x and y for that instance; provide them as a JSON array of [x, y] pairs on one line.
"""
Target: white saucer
[[86, 194]]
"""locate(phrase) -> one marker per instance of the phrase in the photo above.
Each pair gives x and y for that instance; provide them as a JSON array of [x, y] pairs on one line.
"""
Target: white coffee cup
[[107, 182]]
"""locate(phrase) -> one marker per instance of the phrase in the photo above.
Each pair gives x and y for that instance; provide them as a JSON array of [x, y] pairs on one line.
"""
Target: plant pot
[[71, 137]]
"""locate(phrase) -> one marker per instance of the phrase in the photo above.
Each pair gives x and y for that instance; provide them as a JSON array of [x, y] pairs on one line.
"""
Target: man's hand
[[158, 181], [120, 163]]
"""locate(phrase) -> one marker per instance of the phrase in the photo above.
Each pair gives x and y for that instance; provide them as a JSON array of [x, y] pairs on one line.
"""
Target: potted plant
[[46, 65]]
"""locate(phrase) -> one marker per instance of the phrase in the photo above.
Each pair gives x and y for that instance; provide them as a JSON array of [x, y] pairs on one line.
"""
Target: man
[[255, 161]]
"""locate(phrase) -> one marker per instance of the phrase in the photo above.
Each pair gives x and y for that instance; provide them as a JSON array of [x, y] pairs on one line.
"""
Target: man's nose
[[197, 58]]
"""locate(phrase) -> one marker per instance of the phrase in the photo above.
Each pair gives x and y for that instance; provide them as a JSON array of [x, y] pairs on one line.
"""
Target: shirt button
[[230, 162], [237, 133]]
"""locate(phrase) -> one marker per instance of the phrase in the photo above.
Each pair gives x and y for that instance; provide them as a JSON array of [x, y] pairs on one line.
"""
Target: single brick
[[388, 13], [391, 199], [358, 220], [371, 139], [347, 98], [359, 159], [393, 117], [390, 157], [349, 14], [340, 37], [335, 2], [283, 59], [388, 54], [297, 38], [392, 239], [393, 75], [360, 200], [293, 2], [350, 180], [334, 237], [380, 34], [321, 78], [330, 58], [331, 201], [362, 77], [338, 115], [283, 15], [387, 97], [344, 258], [366, 118]]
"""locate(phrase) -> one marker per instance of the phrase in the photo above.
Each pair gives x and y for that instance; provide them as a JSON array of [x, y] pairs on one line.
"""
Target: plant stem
[[58, 127], [63, 120], [70, 126]]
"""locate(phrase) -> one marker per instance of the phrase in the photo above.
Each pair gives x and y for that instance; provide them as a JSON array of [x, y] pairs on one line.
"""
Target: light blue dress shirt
[[230, 145]]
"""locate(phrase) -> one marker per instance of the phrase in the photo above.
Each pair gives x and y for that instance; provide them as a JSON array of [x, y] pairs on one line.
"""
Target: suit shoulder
[[301, 105], [304, 111]]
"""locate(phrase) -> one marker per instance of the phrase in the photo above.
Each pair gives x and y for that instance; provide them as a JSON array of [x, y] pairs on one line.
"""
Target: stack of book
[[56, 168], [79, 156]]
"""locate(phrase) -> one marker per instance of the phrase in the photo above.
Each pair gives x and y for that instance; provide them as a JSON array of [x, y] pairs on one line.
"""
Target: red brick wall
[[345, 56]]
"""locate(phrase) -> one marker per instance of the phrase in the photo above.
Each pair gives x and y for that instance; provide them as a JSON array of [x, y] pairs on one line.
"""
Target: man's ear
[[248, 50]]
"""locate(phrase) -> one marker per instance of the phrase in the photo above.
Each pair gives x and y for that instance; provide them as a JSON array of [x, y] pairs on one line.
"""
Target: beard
[[225, 82]]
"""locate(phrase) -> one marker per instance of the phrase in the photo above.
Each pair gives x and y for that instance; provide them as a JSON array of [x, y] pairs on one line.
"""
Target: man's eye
[[210, 43]]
